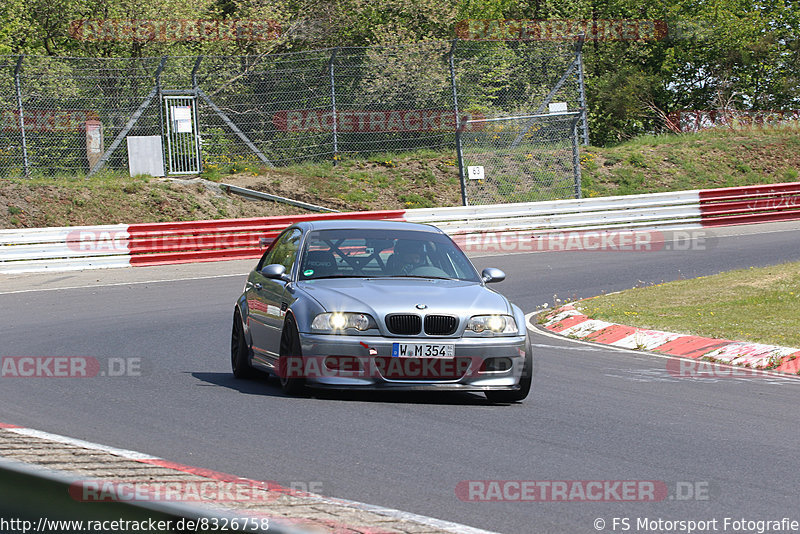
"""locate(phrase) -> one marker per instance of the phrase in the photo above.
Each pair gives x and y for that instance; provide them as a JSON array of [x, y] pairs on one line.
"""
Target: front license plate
[[422, 350]]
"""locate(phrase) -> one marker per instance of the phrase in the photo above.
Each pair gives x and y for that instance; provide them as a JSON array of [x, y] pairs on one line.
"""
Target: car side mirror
[[275, 271], [492, 274]]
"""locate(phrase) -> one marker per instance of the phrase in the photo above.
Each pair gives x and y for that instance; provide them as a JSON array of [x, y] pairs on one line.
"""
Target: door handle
[[257, 286]]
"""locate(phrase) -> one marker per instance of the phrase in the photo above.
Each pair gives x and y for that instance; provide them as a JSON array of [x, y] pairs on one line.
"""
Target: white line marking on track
[[139, 282]]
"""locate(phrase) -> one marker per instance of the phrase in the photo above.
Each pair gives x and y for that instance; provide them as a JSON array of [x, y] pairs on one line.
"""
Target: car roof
[[357, 224]]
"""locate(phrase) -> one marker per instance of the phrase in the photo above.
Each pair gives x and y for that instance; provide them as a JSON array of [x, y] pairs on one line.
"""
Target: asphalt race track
[[594, 414]]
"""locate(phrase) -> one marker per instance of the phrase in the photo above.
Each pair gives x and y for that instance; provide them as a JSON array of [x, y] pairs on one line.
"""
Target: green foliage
[[716, 53], [415, 200]]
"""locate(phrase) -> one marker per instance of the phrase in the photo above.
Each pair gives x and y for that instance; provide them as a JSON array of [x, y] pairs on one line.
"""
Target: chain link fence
[[520, 159], [72, 116]]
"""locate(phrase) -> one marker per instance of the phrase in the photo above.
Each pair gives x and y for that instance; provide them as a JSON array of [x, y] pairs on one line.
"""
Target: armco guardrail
[[64, 249], [93, 247], [629, 212], [86, 247], [32, 496], [751, 204]]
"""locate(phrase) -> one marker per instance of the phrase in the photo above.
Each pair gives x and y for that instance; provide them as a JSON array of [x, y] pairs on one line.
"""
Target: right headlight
[[493, 324]]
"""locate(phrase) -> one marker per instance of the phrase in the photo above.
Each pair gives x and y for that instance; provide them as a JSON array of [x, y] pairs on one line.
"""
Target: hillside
[[647, 164]]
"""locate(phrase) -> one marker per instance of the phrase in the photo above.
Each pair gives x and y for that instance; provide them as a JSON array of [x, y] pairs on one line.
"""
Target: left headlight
[[339, 322], [493, 324]]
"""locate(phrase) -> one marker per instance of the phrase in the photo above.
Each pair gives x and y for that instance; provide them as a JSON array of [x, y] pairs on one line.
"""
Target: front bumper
[[366, 362]]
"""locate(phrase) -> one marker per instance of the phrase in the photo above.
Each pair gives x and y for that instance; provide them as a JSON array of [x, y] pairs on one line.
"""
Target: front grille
[[404, 324], [440, 325]]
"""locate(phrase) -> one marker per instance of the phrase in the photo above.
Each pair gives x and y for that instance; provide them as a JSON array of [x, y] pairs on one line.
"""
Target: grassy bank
[[704, 160], [756, 304], [418, 179]]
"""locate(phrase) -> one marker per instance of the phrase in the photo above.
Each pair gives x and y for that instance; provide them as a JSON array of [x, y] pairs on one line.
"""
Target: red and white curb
[[569, 322], [432, 523]]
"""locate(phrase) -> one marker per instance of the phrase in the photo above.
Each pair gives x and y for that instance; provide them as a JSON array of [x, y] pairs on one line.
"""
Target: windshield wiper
[[334, 276], [418, 276]]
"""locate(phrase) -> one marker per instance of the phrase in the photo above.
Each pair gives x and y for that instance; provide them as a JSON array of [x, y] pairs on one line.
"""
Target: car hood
[[380, 296]]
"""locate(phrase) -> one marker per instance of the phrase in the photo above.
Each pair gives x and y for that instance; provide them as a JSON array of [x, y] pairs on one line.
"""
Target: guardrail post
[[333, 105], [17, 69]]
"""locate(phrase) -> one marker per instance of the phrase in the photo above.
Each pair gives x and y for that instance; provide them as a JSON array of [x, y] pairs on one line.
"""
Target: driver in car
[[408, 255]]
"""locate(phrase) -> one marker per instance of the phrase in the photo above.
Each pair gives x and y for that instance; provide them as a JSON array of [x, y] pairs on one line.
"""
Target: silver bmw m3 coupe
[[354, 304]]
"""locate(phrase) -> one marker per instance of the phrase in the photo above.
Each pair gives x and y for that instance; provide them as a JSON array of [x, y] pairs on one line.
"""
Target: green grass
[[755, 304], [703, 160]]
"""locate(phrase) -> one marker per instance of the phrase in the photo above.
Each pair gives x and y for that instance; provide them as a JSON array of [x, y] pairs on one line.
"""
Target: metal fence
[[74, 115], [520, 159]]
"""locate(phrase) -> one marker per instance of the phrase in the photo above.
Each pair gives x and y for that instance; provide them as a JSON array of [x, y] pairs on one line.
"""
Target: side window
[[283, 251]]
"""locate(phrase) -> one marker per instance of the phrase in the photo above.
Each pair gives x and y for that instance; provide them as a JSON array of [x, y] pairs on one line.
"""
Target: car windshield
[[362, 253]]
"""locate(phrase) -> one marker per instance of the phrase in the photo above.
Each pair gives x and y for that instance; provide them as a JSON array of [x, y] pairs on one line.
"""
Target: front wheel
[[524, 381], [291, 358]]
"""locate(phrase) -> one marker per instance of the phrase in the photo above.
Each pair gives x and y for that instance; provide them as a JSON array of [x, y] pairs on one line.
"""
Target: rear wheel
[[524, 381], [291, 358], [240, 352]]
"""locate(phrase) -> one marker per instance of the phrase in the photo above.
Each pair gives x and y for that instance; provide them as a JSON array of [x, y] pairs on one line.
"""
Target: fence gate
[[183, 148]]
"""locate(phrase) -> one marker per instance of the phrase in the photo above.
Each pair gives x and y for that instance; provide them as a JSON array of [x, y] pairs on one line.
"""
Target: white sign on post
[[182, 119], [476, 172]]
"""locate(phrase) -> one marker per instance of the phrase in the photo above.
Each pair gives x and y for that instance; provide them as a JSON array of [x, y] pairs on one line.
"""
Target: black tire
[[524, 382], [240, 351], [290, 350]]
